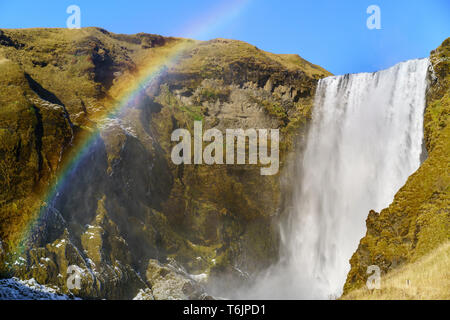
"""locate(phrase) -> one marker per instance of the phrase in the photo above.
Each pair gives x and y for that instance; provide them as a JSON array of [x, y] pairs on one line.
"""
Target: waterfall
[[364, 141]]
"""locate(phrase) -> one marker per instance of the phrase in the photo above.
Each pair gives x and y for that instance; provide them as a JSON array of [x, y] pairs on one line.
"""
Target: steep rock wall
[[125, 215]]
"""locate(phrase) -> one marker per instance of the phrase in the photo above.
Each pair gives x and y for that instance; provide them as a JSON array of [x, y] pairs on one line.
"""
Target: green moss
[[205, 217], [213, 94], [194, 111], [275, 109]]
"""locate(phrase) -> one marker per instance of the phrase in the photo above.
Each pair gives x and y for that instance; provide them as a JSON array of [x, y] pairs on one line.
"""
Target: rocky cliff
[[418, 220], [132, 222]]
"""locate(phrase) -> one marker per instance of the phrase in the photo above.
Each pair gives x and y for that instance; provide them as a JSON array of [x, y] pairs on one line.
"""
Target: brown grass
[[426, 279]]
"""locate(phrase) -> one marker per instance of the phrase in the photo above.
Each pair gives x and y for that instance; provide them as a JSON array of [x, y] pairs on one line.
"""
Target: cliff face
[[131, 220], [418, 220]]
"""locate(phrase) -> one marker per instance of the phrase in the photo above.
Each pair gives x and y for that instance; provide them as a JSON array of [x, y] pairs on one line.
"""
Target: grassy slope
[[217, 54], [425, 279]]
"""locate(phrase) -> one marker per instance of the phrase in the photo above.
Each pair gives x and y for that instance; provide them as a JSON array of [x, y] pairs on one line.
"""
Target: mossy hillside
[[438, 97], [59, 77], [33, 134], [295, 62], [218, 54], [80, 65], [216, 220], [418, 220]]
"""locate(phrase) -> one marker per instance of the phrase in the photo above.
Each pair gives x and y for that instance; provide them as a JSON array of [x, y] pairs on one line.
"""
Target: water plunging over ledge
[[364, 141]]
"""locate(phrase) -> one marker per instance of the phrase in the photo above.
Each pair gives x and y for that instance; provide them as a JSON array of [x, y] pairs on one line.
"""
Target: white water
[[364, 142]]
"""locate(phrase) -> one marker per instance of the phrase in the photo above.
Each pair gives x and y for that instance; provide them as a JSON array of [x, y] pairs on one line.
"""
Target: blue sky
[[332, 34]]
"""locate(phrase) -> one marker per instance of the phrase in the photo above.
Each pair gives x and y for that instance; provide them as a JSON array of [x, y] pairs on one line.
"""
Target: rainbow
[[222, 14]]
